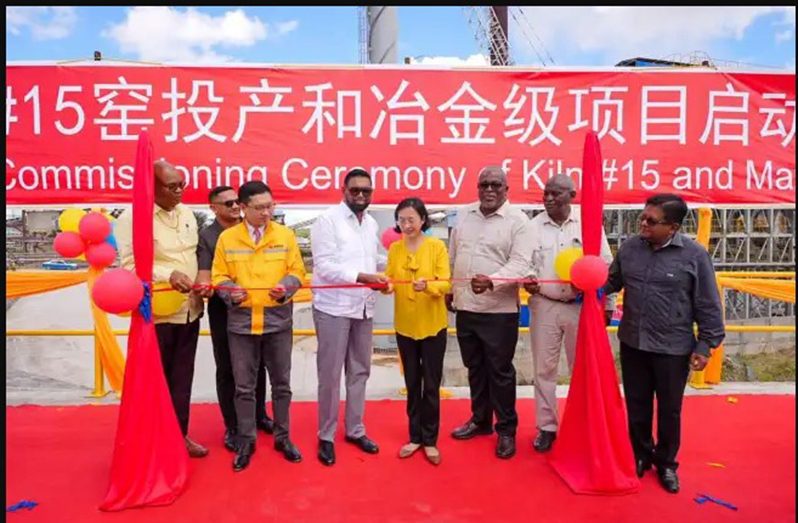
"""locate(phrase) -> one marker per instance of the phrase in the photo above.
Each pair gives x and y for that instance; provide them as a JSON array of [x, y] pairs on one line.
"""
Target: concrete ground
[[49, 370]]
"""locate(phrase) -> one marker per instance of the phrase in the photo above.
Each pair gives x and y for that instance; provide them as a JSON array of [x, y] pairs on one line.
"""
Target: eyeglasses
[[364, 191], [229, 203], [174, 187], [651, 222], [491, 185], [261, 208], [409, 221]]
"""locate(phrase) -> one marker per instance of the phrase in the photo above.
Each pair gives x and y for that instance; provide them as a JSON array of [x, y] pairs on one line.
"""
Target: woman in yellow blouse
[[420, 319]]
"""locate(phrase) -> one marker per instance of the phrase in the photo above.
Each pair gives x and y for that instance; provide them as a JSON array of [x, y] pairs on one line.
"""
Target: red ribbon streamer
[[374, 286]]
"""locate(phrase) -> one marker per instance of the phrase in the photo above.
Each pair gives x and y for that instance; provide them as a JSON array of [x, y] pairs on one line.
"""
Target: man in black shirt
[[224, 204], [668, 283]]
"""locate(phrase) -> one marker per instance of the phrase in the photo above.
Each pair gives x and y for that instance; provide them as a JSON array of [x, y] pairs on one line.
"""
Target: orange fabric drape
[[712, 372], [704, 226], [782, 290], [28, 283]]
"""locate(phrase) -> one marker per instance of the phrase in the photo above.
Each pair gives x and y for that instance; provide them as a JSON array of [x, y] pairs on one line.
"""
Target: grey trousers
[[246, 351], [552, 324], [343, 343]]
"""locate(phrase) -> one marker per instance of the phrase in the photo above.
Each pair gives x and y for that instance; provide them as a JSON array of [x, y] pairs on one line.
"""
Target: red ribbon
[[374, 286]]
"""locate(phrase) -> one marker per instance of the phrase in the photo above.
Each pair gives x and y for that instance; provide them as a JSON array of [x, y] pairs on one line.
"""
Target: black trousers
[[646, 374], [487, 345], [225, 384], [422, 361], [178, 345]]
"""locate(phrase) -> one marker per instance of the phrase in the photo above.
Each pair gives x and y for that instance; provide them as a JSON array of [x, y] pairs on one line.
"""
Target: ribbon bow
[[145, 305]]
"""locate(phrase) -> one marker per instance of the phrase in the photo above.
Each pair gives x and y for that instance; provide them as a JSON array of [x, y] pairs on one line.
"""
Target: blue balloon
[[428, 232], [112, 239]]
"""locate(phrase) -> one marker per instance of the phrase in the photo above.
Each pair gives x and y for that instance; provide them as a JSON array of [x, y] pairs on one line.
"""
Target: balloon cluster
[[587, 273], [87, 236]]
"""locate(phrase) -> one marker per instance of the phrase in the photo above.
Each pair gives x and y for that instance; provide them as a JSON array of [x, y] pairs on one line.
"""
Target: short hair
[[216, 191], [250, 189], [355, 173], [420, 208], [673, 206]]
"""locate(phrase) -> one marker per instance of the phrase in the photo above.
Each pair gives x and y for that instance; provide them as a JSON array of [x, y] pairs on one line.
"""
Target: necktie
[[257, 235]]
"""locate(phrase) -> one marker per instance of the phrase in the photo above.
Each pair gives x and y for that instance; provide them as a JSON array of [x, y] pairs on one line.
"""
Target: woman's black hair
[[420, 208]]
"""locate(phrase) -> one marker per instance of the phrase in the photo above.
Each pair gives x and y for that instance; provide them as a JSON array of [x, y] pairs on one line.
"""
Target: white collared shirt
[[548, 239], [342, 248]]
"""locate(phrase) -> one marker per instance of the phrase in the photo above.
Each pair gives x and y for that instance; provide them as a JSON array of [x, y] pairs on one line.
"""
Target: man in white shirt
[[554, 307], [345, 245]]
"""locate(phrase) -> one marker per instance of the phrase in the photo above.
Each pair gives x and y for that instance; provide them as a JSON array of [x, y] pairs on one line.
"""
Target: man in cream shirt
[[489, 246], [175, 262], [554, 307]]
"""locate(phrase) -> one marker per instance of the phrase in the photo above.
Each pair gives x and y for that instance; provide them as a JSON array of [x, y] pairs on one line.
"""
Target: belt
[[572, 300]]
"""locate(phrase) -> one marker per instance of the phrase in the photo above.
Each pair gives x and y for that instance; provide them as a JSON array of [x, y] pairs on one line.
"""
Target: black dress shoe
[[243, 455], [469, 430], [365, 444], [544, 440], [326, 452], [290, 452], [266, 425], [505, 447], [668, 479], [230, 440], [641, 466]]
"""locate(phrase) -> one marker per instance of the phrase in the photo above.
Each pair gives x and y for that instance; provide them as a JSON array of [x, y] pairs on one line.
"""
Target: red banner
[[714, 137]]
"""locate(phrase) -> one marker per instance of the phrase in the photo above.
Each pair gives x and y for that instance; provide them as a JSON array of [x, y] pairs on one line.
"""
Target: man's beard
[[357, 207]]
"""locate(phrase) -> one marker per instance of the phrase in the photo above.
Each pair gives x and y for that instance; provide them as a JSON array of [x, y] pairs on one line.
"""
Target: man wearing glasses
[[224, 204], [490, 243], [669, 284], [260, 268], [175, 262], [345, 251], [554, 307]]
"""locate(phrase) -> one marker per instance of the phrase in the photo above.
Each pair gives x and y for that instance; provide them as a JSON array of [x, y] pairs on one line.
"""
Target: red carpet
[[60, 457]]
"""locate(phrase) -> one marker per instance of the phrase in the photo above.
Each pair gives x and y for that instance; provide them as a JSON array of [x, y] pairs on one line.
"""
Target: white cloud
[[783, 36], [45, 23], [167, 34], [615, 33], [286, 27], [475, 60]]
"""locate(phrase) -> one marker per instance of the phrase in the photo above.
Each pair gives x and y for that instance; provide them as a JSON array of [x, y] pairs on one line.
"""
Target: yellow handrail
[[376, 332]]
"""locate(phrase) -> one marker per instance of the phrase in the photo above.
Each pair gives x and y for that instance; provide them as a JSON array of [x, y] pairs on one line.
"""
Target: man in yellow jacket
[[258, 266]]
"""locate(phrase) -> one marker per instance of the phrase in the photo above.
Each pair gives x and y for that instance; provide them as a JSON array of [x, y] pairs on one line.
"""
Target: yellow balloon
[[69, 220], [166, 303], [565, 260]]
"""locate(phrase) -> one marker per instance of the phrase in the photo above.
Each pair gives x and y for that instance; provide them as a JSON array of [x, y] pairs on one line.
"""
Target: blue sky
[[576, 36]]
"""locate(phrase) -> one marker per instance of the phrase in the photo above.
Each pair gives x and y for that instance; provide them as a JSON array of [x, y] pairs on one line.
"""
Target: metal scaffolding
[[743, 239]]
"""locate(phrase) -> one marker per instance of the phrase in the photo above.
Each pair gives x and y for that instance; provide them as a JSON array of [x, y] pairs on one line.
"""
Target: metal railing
[[376, 332]]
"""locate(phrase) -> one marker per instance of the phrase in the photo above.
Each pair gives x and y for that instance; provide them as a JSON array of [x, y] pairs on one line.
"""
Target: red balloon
[[69, 244], [589, 273], [389, 236], [94, 227], [100, 255], [117, 291]]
